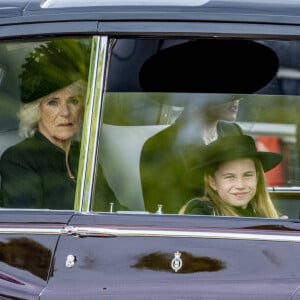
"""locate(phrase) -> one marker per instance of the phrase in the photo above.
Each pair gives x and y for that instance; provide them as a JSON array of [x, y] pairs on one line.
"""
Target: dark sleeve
[[163, 172], [198, 207], [238, 128], [20, 183]]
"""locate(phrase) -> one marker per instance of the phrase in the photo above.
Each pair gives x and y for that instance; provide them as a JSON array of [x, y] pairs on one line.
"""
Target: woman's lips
[[65, 125]]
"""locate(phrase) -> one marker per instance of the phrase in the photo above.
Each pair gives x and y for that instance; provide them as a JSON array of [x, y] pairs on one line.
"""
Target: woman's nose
[[64, 110]]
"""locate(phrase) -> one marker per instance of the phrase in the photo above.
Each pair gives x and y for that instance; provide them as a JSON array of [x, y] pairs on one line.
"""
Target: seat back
[[120, 152], [8, 139]]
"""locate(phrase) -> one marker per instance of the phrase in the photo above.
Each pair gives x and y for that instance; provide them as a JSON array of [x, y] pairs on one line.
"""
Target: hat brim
[[269, 160], [210, 66]]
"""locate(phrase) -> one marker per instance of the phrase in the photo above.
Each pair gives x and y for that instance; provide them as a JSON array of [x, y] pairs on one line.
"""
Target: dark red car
[[150, 62]]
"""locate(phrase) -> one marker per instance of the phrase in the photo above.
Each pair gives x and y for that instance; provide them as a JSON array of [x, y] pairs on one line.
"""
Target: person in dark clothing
[[41, 171], [207, 70], [234, 177], [171, 154], [35, 174]]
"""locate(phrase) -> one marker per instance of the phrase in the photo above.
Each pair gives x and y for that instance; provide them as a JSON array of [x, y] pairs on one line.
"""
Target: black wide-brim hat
[[236, 147], [210, 66]]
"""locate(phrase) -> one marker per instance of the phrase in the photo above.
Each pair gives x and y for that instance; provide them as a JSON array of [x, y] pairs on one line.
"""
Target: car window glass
[[42, 99], [147, 119]]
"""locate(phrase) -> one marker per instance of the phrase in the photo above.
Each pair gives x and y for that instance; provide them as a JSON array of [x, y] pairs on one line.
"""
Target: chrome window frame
[[92, 123]]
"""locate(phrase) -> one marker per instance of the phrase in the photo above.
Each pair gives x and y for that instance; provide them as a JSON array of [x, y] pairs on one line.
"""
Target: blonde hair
[[29, 113], [29, 116], [261, 202]]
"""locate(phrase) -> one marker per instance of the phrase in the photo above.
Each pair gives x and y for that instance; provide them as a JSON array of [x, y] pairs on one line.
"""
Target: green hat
[[235, 147], [52, 66]]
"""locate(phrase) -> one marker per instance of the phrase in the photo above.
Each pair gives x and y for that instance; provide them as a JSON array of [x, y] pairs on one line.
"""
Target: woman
[[41, 171], [234, 178]]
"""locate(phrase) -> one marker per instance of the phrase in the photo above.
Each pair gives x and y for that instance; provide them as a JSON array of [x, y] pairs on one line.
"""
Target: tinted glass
[[151, 132], [42, 97]]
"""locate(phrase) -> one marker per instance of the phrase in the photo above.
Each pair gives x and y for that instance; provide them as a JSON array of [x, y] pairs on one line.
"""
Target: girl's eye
[[228, 176], [249, 174]]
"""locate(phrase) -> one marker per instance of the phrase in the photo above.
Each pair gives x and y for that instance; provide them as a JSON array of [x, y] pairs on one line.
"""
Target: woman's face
[[61, 115], [235, 181]]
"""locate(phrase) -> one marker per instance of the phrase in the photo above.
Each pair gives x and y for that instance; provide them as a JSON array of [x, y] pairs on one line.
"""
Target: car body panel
[[212, 267], [27, 248], [243, 11]]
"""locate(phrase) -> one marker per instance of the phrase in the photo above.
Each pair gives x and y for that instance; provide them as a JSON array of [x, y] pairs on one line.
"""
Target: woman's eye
[[74, 101], [52, 102]]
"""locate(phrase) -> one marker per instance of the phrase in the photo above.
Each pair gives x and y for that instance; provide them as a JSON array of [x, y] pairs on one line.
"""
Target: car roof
[[267, 11]]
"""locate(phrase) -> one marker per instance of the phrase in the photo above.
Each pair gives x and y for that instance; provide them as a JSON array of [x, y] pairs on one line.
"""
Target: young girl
[[234, 178]]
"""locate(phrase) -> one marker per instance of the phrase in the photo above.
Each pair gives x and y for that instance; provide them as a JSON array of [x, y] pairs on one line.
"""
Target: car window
[[42, 101], [151, 119], [149, 141]]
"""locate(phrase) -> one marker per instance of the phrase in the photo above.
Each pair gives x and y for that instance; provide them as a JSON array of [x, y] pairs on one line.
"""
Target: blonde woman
[[234, 178]]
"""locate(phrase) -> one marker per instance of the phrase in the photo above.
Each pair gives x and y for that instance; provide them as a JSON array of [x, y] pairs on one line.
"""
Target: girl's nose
[[239, 183]]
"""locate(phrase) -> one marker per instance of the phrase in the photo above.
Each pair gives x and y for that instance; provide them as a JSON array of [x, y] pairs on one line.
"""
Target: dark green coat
[[34, 175], [205, 207]]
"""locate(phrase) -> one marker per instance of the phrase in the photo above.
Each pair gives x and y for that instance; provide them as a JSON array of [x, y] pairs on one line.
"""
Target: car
[[150, 62]]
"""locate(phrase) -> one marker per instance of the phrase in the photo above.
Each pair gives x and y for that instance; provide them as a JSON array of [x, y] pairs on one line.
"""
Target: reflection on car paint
[[158, 261]]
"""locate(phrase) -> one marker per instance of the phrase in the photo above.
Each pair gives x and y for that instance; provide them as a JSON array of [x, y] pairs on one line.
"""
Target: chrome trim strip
[[91, 126], [82, 231], [98, 3], [30, 230], [92, 231], [285, 189]]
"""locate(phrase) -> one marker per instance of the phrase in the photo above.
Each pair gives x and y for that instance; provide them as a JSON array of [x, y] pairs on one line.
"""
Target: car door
[[119, 248], [28, 236], [28, 243], [172, 257]]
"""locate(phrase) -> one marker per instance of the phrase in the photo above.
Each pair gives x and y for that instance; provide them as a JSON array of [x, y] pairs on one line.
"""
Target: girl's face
[[61, 116], [235, 181]]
